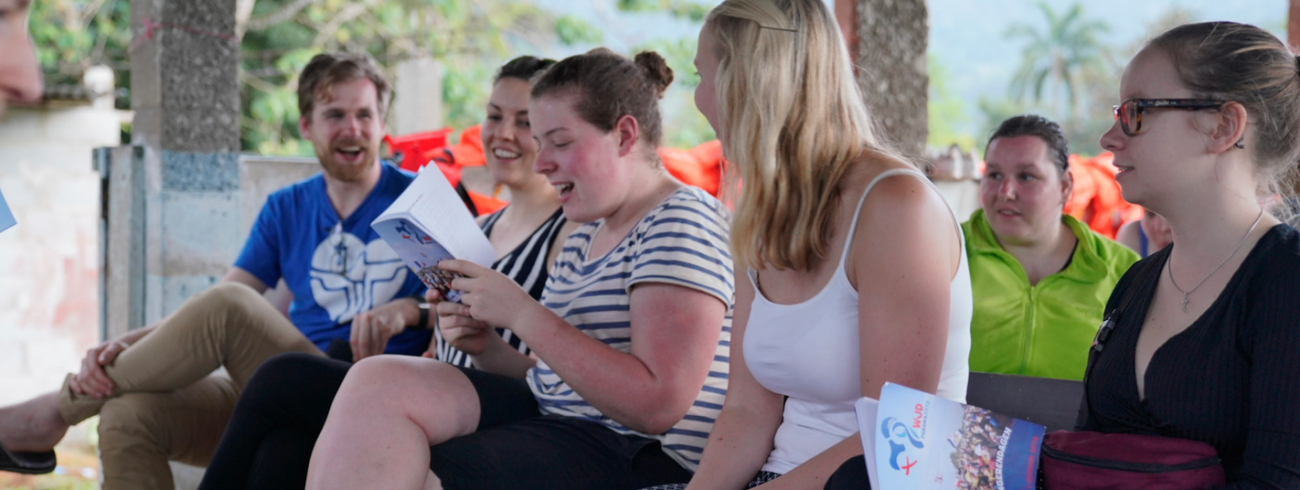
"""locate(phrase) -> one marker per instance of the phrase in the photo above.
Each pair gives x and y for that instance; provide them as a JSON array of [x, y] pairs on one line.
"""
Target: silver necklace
[[1216, 268]]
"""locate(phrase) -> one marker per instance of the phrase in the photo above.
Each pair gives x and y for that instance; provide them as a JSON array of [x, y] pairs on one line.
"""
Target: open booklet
[[429, 223], [923, 441]]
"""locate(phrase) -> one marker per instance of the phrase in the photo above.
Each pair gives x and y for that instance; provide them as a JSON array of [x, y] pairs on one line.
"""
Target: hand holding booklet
[[916, 440], [429, 223]]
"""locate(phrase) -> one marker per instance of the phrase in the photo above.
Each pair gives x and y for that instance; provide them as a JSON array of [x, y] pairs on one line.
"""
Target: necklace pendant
[[1184, 302]]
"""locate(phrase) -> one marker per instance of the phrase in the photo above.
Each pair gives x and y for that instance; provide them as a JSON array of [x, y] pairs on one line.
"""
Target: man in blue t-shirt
[[154, 388]]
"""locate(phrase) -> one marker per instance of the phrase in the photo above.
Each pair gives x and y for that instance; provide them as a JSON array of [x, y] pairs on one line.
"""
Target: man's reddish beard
[[346, 172]]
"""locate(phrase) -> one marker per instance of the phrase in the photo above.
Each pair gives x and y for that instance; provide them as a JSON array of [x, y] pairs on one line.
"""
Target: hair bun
[[655, 69]]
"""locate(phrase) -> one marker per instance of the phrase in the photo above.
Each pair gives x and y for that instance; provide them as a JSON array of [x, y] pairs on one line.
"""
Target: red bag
[[1092, 460]]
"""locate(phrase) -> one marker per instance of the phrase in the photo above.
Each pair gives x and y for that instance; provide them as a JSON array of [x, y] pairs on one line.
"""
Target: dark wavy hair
[[523, 68], [610, 86], [327, 69]]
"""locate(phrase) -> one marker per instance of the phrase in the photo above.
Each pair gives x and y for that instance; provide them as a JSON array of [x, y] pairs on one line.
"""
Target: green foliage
[[684, 126], [945, 110], [689, 128], [573, 30], [468, 37], [680, 55], [464, 95], [1069, 45], [994, 112], [1065, 67], [684, 9], [73, 35]]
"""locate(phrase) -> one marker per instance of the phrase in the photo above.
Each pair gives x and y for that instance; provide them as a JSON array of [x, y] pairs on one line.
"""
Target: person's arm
[[742, 437], [903, 258], [1271, 330], [675, 333]]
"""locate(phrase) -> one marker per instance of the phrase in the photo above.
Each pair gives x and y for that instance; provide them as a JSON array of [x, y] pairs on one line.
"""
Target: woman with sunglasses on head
[[279, 415], [1205, 343], [850, 270], [630, 335]]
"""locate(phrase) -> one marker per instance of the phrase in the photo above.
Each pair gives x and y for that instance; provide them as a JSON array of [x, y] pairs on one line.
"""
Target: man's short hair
[[1058, 150], [327, 69]]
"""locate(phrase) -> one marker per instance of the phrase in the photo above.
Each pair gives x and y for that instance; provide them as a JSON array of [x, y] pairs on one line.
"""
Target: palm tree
[[1059, 55]]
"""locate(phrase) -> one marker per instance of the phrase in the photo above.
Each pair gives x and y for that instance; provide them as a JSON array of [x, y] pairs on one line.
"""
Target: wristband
[[423, 322]]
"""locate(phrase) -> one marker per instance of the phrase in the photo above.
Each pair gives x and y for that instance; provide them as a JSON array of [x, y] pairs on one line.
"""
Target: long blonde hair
[[793, 122]]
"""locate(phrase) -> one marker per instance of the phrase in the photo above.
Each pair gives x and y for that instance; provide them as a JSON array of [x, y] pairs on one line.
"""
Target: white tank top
[[809, 352]]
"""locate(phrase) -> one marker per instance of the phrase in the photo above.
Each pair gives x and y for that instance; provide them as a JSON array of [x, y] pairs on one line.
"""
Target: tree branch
[[351, 11], [282, 15]]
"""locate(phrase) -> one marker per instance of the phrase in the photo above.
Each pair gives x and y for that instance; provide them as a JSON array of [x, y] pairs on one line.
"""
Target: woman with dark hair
[[1206, 347], [278, 416], [631, 333], [1040, 277]]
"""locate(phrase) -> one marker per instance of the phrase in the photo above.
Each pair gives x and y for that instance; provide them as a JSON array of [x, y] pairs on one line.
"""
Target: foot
[[33, 425]]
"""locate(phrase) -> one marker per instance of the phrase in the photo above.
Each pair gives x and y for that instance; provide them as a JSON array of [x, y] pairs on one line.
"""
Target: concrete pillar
[[185, 95], [891, 41], [417, 100]]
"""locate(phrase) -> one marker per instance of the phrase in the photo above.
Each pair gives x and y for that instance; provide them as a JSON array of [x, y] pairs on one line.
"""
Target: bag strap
[[1111, 319]]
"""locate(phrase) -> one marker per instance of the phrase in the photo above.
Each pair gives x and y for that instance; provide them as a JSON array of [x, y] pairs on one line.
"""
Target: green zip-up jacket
[[1043, 330]]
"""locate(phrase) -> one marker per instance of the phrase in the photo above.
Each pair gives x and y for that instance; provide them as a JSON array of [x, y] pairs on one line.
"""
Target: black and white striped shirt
[[526, 265]]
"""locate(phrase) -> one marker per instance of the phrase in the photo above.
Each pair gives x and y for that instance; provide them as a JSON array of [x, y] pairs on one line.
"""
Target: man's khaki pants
[[167, 403]]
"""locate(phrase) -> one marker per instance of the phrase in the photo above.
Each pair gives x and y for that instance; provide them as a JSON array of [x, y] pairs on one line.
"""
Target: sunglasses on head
[[1129, 112]]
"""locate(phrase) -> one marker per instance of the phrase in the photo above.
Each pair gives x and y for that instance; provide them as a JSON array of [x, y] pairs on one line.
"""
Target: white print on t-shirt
[[349, 277]]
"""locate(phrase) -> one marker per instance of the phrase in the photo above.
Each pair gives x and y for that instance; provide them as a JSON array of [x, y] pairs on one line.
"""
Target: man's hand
[[92, 380], [371, 330]]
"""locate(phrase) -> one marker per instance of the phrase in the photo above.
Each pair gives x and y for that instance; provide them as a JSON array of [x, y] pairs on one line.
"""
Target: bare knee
[[397, 382], [436, 396]]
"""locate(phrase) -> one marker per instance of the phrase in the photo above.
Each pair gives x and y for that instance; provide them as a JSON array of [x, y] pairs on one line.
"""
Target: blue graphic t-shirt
[[336, 269]]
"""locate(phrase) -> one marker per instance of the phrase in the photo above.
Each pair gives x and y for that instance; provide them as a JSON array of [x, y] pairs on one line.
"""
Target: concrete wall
[[49, 262]]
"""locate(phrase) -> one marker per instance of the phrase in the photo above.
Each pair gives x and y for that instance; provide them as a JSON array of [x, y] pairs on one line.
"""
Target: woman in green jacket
[[1040, 278]]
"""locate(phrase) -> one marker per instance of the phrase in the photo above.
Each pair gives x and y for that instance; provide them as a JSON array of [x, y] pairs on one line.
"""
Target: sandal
[[27, 463]]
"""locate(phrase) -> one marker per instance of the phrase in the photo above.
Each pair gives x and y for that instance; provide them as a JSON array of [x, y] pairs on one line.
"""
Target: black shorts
[[516, 447]]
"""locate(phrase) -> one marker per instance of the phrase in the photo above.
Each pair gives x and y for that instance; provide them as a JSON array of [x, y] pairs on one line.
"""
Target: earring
[[1240, 144]]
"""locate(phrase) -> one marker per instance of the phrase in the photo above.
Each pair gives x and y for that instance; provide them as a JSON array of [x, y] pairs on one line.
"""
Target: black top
[[526, 264], [1231, 379]]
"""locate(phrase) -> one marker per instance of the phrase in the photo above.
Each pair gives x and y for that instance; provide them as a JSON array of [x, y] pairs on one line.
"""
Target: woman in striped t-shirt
[[632, 333]]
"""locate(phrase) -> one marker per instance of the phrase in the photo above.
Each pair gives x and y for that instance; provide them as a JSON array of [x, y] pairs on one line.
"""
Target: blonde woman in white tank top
[[849, 265]]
